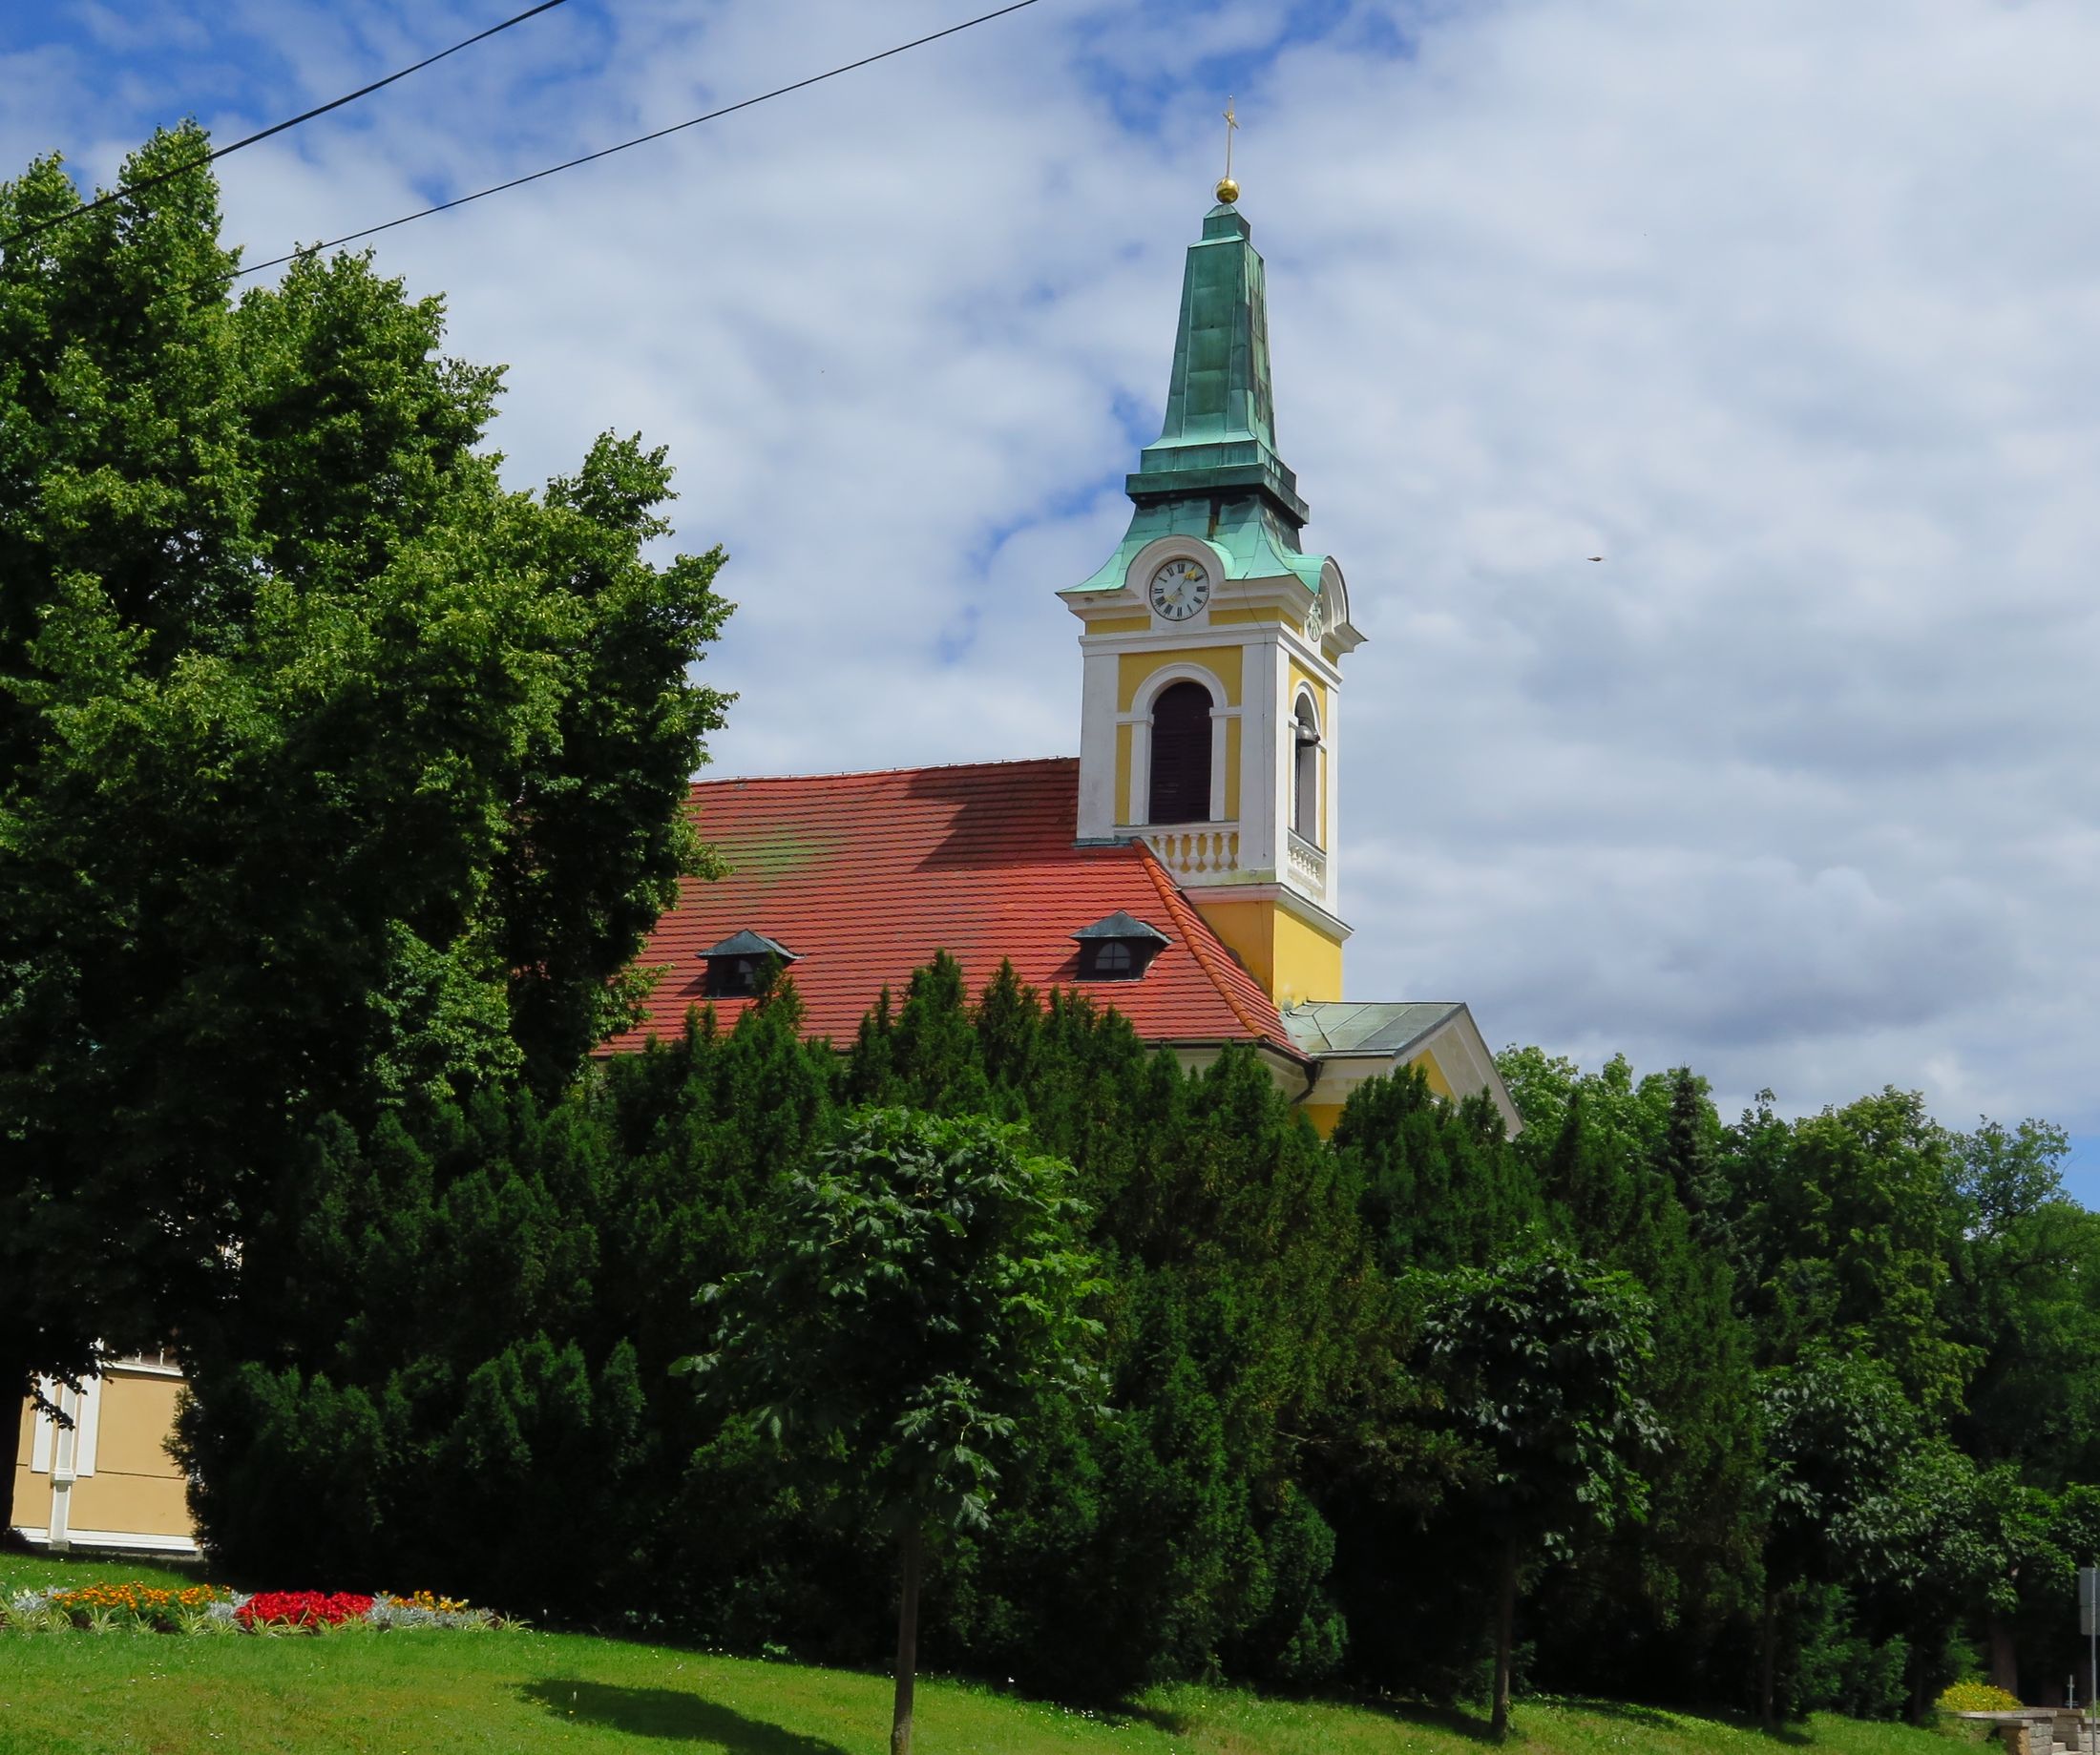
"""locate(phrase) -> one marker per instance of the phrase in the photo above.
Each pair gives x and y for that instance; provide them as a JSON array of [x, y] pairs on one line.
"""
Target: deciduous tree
[[926, 1290], [1540, 1359], [335, 778]]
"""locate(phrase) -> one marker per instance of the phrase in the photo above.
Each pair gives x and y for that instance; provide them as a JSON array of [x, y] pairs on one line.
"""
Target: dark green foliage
[[1663, 1594], [502, 1294], [923, 1295], [1848, 1232], [1174, 1536], [1839, 1368], [1441, 1186], [335, 778], [923, 1288], [1540, 1359]]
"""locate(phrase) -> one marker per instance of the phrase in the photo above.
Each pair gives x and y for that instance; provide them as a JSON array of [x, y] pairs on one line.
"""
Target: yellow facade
[[1324, 1115], [31, 1490], [1434, 1075], [109, 1482], [1293, 959], [1137, 667]]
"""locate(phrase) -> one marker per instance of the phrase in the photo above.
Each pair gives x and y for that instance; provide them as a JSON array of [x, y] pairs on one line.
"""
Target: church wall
[[109, 1482], [1323, 704], [153, 1506], [1433, 1073], [31, 1490], [1322, 1115], [1341, 1079], [1135, 668], [1292, 960]]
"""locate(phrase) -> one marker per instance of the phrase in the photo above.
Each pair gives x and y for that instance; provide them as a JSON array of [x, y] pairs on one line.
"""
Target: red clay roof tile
[[865, 876]]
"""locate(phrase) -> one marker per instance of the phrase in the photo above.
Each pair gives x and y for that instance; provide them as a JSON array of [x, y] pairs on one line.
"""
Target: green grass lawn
[[416, 1692]]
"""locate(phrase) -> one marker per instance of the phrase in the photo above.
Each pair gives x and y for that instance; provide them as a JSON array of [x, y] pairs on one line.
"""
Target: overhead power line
[[606, 151], [130, 190]]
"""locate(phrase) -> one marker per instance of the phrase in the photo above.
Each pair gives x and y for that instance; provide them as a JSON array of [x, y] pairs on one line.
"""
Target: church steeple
[[1214, 470], [1220, 432], [1214, 643]]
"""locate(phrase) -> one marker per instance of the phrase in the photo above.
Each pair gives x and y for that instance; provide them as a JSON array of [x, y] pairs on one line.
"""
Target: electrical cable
[[130, 190], [607, 152]]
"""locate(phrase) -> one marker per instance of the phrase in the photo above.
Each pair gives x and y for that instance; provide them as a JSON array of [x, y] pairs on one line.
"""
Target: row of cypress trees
[[449, 1363]]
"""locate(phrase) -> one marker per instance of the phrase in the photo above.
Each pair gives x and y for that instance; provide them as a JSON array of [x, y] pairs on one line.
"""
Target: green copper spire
[[1213, 470], [1220, 420]]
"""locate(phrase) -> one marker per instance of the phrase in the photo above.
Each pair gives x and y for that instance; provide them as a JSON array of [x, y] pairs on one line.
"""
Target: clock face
[[1179, 588], [1314, 622]]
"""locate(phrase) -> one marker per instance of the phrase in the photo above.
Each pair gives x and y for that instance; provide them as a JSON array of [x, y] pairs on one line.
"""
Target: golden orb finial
[[1229, 190]]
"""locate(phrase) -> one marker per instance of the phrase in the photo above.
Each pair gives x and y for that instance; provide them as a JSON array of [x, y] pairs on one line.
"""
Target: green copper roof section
[[1219, 430], [1213, 472]]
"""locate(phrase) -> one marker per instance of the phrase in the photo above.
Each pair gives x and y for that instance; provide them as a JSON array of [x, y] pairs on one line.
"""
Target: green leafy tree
[[1677, 1577], [1540, 1359], [1834, 1430], [1847, 1224], [927, 1290], [2021, 1268], [335, 778], [1942, 1544]]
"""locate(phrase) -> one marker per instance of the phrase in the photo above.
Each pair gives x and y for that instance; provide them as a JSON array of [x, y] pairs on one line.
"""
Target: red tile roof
[[865, 876]]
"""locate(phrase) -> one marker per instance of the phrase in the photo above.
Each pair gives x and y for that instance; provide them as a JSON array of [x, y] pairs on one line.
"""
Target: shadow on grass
[[1631, 1712], [1473, 1726], [665, 1712], [1460, 1723], [1455, 1719]]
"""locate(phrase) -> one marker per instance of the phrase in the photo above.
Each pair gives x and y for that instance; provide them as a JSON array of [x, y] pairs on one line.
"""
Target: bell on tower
[[1210, 721]]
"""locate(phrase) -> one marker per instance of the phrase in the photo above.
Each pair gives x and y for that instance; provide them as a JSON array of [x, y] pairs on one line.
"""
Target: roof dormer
[[1118, 948], [737, 966]]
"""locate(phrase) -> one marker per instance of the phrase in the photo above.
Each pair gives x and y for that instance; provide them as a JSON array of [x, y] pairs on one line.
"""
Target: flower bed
[[301, 1609], [209, 1608]]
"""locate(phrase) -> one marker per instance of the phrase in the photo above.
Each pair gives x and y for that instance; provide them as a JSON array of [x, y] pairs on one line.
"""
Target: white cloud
[[1787, 311]]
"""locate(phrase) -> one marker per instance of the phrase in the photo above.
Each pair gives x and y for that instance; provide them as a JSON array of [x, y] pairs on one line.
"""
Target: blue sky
[[2081, 1169], [1788, 311]]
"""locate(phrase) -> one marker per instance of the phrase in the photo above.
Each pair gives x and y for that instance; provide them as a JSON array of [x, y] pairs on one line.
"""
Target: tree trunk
[[2004, 1656], [1768, 1662], [912, 1548], [1505, 1632], [14, 1387]]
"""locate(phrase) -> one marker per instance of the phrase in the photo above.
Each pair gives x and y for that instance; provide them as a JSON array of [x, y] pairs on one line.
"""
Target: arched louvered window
[[1181, 730], [1304, 773]]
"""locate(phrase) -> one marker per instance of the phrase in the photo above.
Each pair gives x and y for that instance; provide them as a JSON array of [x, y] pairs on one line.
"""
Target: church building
[[1184, 868]]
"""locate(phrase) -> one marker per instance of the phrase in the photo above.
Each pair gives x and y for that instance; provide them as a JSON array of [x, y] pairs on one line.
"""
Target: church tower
[[1211, 724]]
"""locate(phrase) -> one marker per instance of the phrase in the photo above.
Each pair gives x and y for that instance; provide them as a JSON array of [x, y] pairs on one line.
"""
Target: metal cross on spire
[[1228, 189]]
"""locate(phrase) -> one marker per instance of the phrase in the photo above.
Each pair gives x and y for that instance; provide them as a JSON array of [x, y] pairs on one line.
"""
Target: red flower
[[301, 1608]]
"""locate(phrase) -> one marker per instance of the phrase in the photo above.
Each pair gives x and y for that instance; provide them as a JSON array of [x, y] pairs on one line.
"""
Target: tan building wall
[[109, 1482]]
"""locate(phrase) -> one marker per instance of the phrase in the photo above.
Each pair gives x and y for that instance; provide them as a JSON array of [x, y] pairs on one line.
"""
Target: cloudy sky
[[1789, 310]]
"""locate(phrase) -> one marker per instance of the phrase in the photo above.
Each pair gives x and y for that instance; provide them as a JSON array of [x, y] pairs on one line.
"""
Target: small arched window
[[1181, 730], [737, 968], [1118, 948], [1304, 773]]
